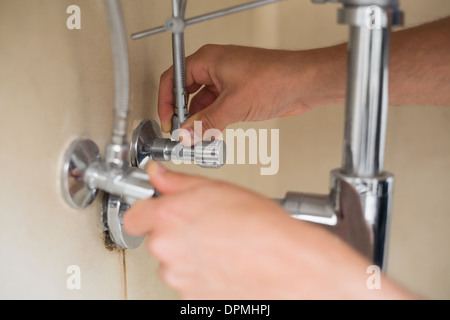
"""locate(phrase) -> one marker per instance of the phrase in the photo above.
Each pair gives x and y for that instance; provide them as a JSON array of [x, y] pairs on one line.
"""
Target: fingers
[[147, 215], [142, 217], [213, 118], [199, 71], [167, 182], [165, 100], [203, 99]]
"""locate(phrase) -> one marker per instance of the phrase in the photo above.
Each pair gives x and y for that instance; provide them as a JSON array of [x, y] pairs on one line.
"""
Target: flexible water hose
[[115, 152]]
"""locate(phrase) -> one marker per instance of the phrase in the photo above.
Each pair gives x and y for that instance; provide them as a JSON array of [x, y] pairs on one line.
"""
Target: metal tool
[[176, 25]]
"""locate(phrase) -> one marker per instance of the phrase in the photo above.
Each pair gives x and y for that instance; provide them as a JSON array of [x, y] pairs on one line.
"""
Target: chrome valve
[[147, 144]]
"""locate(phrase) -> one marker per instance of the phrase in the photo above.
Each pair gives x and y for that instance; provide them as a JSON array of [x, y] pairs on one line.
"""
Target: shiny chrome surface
[[147, 144], [360, 198], [209, 154], [357, 209], [309, 207], [367, 90], [363, 207], [84, 173], [132, 185], [80, 154], [362, 191], [113, 210], [176, 26], [142, 137]]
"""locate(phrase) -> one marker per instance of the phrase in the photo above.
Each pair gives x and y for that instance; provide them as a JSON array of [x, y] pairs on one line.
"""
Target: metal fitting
[[147, 144], [175, 25]]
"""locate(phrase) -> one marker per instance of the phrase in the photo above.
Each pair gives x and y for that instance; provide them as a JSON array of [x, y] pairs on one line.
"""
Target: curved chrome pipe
[[359, 204], [116, 151]]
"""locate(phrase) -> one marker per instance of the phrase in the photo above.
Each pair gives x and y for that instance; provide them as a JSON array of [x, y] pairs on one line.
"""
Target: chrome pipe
[[309, 207], [361, 191], [132, 185], [363, 207], [360, 199], [367, 101]]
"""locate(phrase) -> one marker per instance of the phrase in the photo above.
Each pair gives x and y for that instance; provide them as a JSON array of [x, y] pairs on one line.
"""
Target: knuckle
[[208, 47], [208, 122], [166, 75], [210, 51]]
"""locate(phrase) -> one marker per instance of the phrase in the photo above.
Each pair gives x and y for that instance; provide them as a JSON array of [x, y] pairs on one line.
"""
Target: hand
[[217, 241], [248, 84]]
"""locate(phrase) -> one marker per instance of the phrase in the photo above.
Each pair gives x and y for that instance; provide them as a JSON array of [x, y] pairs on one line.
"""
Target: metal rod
[[205, 17], [367, 101], [182, 6], [179, 64]]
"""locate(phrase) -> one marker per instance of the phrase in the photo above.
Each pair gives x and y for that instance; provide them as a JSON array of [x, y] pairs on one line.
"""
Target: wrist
[[324, 75]]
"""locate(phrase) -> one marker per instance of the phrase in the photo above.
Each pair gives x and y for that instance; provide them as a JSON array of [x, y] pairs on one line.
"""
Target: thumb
[[206, 123], [166, 181]]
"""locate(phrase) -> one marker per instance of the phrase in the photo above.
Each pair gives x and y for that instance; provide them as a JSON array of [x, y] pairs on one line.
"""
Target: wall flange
[[80, 154]]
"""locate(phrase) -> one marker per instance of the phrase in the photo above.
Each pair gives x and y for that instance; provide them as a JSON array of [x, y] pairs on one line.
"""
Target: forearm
[[233, 84], [419, 68], [420, 65]]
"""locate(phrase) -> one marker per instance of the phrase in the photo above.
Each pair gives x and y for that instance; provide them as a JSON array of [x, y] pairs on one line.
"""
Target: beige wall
[[57, 85]]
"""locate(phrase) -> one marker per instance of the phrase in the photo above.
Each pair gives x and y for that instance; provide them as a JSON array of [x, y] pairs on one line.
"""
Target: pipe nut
[[210, 154]]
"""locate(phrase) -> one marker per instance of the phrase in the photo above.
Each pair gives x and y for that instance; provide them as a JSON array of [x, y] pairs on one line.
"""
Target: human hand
[[237, 84], [218, 241]]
